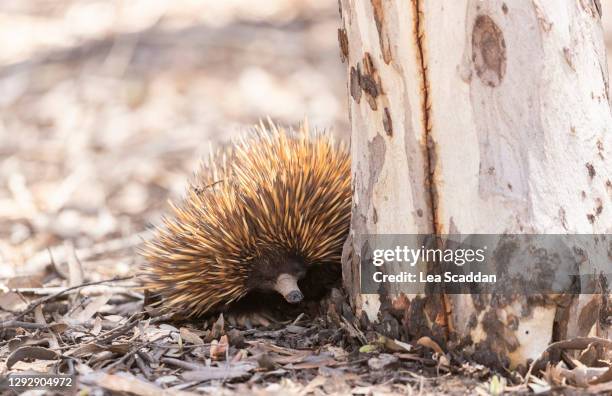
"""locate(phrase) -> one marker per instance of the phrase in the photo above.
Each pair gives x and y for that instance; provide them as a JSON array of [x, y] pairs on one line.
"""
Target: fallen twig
[[182, 364], [577, 343], [26, 325], [59, 293], [124, 328]]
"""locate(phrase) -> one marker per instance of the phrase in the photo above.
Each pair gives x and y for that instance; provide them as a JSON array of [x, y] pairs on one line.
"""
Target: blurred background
[[107, 106]]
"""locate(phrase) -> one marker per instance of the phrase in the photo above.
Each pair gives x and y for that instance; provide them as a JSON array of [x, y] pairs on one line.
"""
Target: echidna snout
[[286, 285], [280, 274]]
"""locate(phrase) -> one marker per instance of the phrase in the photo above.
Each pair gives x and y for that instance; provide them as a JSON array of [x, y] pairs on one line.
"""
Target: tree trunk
[[474, 117]]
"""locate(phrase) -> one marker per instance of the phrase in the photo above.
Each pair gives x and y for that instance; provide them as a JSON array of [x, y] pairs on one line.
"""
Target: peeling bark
[[478, 116]]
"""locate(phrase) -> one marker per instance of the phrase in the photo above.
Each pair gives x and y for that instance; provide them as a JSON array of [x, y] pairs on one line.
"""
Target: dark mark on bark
[[598, 206], [472, 321], [370, 81], [563, 217], [597, 4], [568, 58], [387, 122], [497, 339], [432, 187], [592, 7], [591, 218], [355, 84], [600, 148], [590, 169], [513, 322], [369, 86], [430, 149], [344, 46], [365, 78], [504, 8], [488, 51], [383, 39]]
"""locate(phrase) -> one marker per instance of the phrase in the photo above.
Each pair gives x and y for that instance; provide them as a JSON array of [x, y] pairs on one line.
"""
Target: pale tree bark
[[478, 116]]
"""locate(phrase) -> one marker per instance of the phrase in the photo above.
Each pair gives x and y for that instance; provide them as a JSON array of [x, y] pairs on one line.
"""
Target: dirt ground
[[107, 107]]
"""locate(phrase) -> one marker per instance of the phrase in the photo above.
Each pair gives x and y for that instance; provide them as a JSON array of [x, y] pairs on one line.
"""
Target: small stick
[[43, 300], [125, 357], [26, 325], [122, 329], [182, 364], [297, 320]]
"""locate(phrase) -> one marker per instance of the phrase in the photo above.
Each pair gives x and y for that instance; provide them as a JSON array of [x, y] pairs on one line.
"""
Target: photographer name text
[[407, 258]]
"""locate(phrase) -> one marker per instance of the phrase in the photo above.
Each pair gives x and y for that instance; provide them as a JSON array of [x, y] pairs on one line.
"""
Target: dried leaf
[[369, 348], [93, 307], [240, 355], [58, 328], [217, 328], [431, 344], [218, 349], [383, 361], [84, 350], [75, 270], [578, 343], [11, 301], [30, 353], [126, 382], [220, 373], [411, 356], [297, 357], [313, 361], [605, 377], [190, 336], [154, 333], [582, 375], [89, 349], [338, 353], [16, 343], [166, 379], [601, 389], [97, 327], [169, 328], [393, 345], [296, 329], [265, 362]]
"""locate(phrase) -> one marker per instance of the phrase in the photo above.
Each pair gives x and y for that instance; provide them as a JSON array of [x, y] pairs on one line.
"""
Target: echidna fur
[[276, 201]]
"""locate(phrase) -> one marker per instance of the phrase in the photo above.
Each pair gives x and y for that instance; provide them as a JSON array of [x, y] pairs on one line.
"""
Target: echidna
[[257, 216]]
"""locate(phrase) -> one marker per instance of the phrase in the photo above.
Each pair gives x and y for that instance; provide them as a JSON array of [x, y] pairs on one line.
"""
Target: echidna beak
[[294, 297], [286, 285]]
